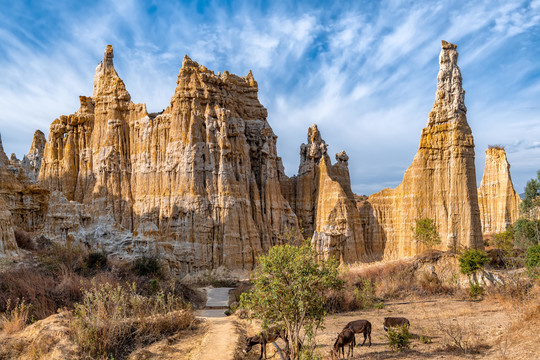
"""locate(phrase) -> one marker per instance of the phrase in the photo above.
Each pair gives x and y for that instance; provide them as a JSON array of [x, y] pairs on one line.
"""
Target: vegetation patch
[[112, 320]]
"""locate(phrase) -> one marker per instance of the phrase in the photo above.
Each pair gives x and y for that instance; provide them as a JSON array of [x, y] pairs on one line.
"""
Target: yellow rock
[[497, 199], [440, 183]]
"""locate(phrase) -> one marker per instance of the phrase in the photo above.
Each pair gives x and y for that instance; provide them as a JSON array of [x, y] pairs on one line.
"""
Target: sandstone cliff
[[198, 183], [440, 183], [321, 197], [8, 245], [26, 201], [497, 199]]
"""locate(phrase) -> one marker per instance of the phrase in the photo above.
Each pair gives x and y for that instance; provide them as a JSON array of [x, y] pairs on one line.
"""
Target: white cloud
[[366, 75]]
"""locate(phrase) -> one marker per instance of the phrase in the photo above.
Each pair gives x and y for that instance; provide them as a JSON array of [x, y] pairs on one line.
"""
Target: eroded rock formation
[[198, 183], [321, 197], [497, 199], [440, 183], [26, 202]]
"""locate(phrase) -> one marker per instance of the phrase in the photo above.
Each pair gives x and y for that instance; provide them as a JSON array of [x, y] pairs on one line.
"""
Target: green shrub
[[533, 260], [365, 294], [526, 232], [425, 231], [471, 260], [147, 266], [475, 290], [399, 338]]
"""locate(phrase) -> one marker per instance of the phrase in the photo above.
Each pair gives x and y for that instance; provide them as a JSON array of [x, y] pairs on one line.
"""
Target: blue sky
[[364, 71]]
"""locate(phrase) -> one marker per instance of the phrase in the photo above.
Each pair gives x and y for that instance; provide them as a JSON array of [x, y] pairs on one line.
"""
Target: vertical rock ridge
[[322, 199], [498, 201], [440, 183]]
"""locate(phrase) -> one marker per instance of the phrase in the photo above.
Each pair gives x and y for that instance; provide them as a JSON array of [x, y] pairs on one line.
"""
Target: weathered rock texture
[[497, 199], [198, 183], [26, 202], [8, 246], [321, 197], [440, 183]]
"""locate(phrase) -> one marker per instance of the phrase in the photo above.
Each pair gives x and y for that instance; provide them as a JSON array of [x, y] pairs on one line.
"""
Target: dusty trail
[[222, 336]]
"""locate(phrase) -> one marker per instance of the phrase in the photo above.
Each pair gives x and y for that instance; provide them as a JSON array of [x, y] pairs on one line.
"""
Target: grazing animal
[[395, 321], [361, 327], [345, 337], [265, 337]]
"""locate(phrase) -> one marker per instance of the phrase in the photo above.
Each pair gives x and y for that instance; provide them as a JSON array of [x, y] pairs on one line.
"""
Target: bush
[[16, 317], [425, 231], [475, 290], [399, 338], [24, 240], [526, 232], [112, 320], [470, 261], [147, 266], [96, 260], [532, 261]]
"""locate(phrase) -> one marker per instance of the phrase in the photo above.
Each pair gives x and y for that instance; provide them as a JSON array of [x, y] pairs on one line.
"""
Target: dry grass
[[112, 320], [461, 336], [16, 317]]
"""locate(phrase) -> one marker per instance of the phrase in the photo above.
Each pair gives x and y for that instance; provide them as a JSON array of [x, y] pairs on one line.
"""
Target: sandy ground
[[222, 336], [482, 326]]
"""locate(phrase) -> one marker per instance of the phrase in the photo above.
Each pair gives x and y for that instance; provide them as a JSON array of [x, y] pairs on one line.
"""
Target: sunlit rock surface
[[440, 183], [497, 199]]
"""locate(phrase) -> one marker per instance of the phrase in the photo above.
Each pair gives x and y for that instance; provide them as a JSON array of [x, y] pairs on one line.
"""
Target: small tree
[[425, 231], [290, 287], [533, 260], [530, 205], [470, 261], [526, 232]]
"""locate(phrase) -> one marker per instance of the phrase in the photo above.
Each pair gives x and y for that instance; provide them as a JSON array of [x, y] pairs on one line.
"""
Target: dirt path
[[221, 339]]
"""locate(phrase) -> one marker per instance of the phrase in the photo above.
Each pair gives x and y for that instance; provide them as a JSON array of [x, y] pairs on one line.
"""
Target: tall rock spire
[[498, 201], [440, 183]]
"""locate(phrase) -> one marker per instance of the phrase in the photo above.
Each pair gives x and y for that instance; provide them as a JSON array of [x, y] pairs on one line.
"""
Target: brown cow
[[361, 327]]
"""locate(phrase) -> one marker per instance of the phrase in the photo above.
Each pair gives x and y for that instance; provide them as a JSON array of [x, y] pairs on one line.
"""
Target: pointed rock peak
[[313, 151], [314, 135], [13, 158], [3, 157], [106, 80], [446, 45], [108, 56], [38, 142], [187, 62], [450, 97], [251, 80], [342, 158]]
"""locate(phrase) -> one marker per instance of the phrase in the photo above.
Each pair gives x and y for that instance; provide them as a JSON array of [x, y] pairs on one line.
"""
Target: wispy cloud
[[365, 72]]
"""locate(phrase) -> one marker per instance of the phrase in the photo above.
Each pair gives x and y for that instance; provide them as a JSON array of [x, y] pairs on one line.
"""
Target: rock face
[[321, 197], [26, 202], [198, 184], [497, 199], [440, 183], [8, 245]]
